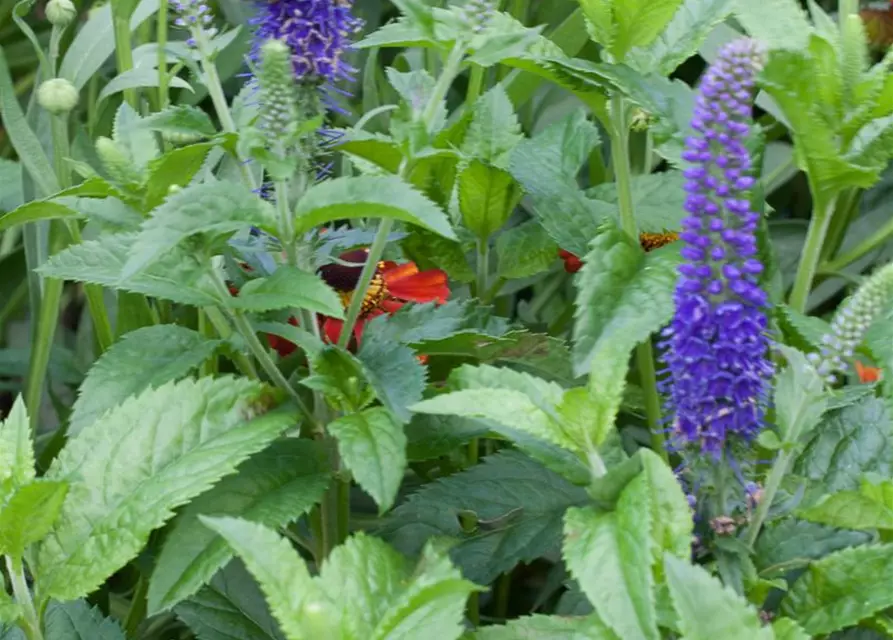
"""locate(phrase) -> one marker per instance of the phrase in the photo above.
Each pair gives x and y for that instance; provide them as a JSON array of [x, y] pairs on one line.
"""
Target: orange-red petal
[[867, 374], [332, 327], [414, 286]]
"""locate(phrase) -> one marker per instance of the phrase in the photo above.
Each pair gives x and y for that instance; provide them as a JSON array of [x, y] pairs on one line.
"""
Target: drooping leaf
[[289, 287], [136, 78], [271, 488], [487, 197], [373, 445], [841, 589], [553, 627], [142, 359], [76, 620], [517, 505], [369, 197], [230, 607], [524, 251], [16, 450], [851, 510], [694, 592], [29, 515], [196, 431], [35, 211]]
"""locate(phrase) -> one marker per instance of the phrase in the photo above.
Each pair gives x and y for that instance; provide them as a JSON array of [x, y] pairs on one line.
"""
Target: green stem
[[286, 223], [206, 329], [23, 598], [812, 250], [475, 84], [845, 211], [644, 352], [55, 41], [161, 37], [449, 73], [343, 485], [483, 266], [41, 345], [138, 607], [503, 592], [779, 468], [123, 47], [369, 268], [225, 331]]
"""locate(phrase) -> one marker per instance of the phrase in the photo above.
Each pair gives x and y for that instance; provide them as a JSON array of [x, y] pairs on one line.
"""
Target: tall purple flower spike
[[717, 346]]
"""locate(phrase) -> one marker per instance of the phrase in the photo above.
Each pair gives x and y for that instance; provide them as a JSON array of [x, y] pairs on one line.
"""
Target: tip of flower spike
[[745, 51]]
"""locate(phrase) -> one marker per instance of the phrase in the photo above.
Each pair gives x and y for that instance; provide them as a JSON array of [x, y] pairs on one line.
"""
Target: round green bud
[[60, 13], [57, 95]]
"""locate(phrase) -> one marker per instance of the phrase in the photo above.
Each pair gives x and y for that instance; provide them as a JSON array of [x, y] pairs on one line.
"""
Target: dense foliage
[[327, 319]]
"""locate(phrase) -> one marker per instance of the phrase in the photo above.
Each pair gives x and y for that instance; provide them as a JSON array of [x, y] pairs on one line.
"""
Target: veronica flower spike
[[716, 346]]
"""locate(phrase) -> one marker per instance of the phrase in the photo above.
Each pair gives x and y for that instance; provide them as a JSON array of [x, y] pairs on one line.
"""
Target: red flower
[[572, 263], [867, 374]]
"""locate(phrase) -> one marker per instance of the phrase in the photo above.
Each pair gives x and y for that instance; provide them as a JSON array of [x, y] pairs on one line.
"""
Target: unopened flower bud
[[277, 113], [57, 95], [60, 13], [116, 161]]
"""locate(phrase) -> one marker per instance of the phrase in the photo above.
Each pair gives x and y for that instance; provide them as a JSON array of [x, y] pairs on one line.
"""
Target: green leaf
[[787, 629], [546, 166], [177, 276], [639, 22], [109, 213], [210, 210], [196, 431], [809, 329], [516, 502], [494, 129], [790, 544], [288, 288], [271, 488], [780, 24], [29, 515], [617, 281], [369, 197], [373, 445], [685, 33], [841, 589], [850, 510], [230, 607], [394, 373], [658, 199], [136, 78], [16, 450], [524, 251], [608, 554], [11, 195], [487, 197], [10, 612], [800, 398], [671, 522], [180, 120], [34, 211], [77, 620], [695, 593], [431, 250], [174, 169], [432, 436], [539, 627], [290, 591], [142, 359]]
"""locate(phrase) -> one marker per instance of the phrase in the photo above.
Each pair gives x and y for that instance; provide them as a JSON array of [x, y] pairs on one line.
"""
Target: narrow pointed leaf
[[16, 450], [29, 515]]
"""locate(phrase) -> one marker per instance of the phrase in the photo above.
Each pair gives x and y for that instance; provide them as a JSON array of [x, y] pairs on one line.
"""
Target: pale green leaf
[[138, 144], [494, 129], [29, 515], [800, 397], [288, 288], [35, 211], [180, 120], [77, 620], [780, 24], [617, 281], [271, 488], [608, 554], [517, 505], [128, 471], [109, 213], [600, 18], [142, 359], [639, 22], [787, 629], [230, 607], [373, 445], [695, 593], [580, 415], [841, 589], [292, 594], [10, 612], [487, 198], [524, 251], [539, 627], [16, 450], [210, 210], [177, 277], [658, 199], [671, 519], [369, 197], [136, 78]]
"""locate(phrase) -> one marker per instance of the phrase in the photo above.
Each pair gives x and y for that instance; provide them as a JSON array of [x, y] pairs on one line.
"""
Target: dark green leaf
[[394, 373], [487, 197], [432, 436], [540, 627], [76, 620], [289, 287], [494, 129], [524, 251], [794, 543]]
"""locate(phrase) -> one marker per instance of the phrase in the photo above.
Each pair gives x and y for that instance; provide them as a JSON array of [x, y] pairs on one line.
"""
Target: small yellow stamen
[[375, 295], [652, 241]]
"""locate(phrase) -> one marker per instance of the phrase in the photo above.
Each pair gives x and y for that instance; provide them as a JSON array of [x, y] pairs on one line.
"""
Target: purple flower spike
[[317, 31], [716, 346]]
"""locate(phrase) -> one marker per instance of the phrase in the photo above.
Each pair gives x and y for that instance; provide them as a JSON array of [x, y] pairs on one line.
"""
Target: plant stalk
[[161, 38], [123, 48], [16, 570], [483, 266], [779, 468], [369, 268], [812, 250]]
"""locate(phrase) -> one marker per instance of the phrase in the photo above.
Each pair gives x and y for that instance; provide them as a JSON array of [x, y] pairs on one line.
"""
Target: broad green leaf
[[494, 129], [288, 288], [139, 145], [617, 281], [639, 22], [787, 629], [283, 577], [419, 324], [608, 553], [546, 395], [369, 197], [209, 210], [780, 24], [850, 510], [430, 250], [695, 593], [10, 612], [16, 450], [271, 488], [177, 277], [136, 78], [800, 398], [841, 589], [196, 432], [230, 607], [394, 373], [686, 31], [539, 627], [77, 620], [600, 18], [35, 211], [109, 213], [582, 420], [487, 197], [180, 120], [29, 515], [432, 436], [791, 544], [142, 359], [658, 199], [671, 521], [373, 445], [11, 192], [516, 505], [848, 443], [173, 169], [524, 251], [546, 166], [809, 329]]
